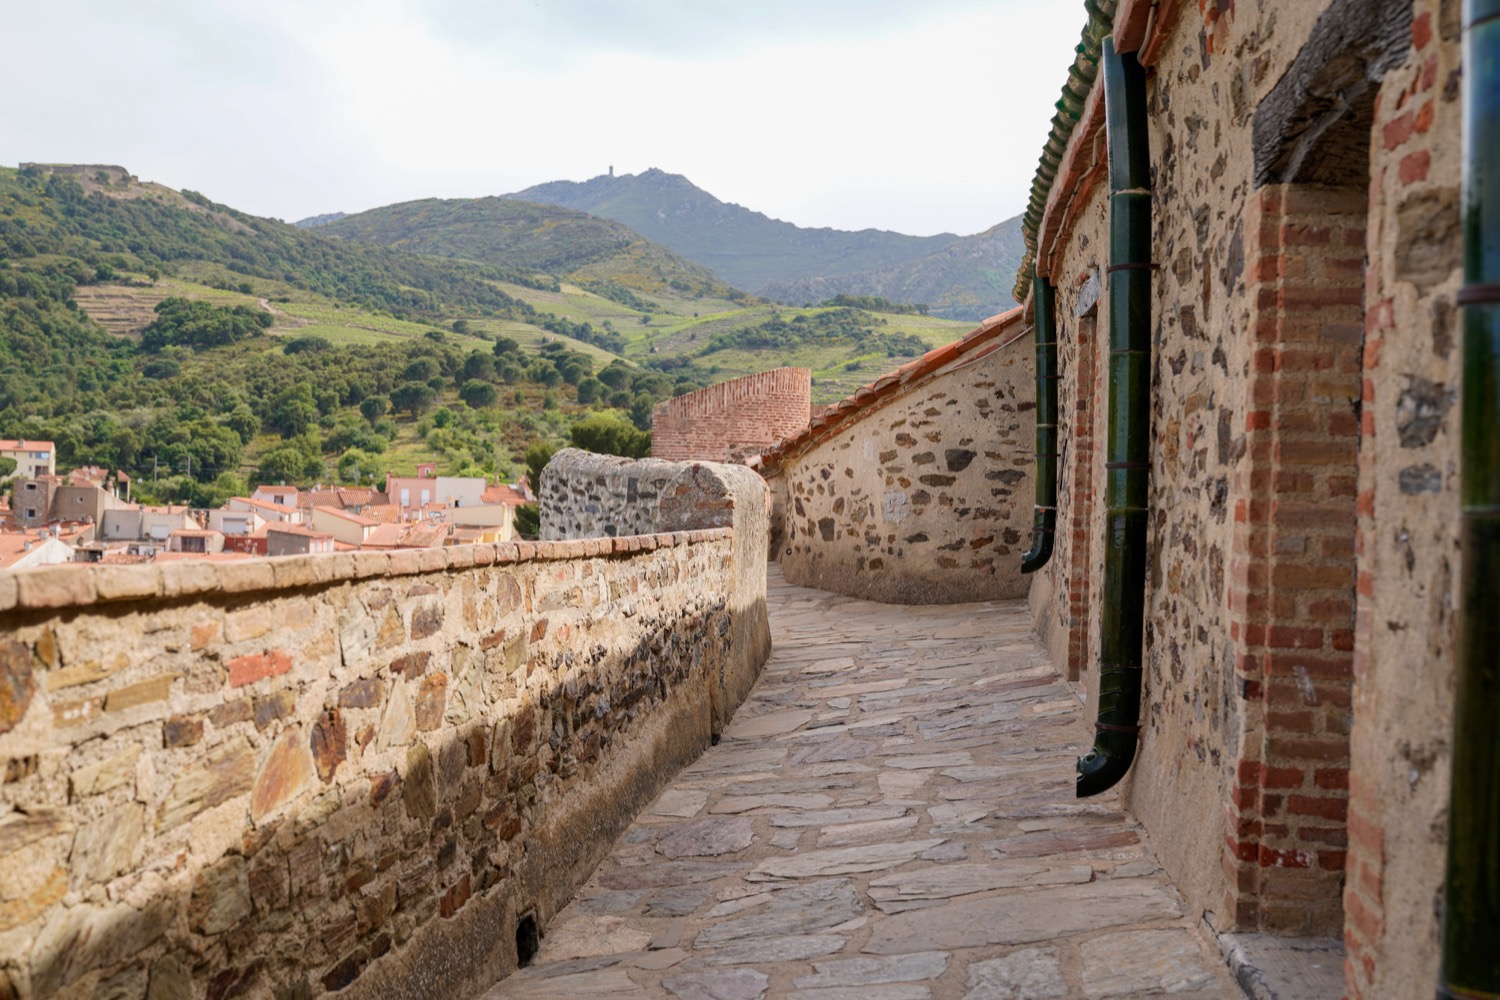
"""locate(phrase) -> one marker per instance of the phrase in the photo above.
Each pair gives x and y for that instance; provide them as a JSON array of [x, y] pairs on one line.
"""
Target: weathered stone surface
[[106, 846], [670, 873], [112, 772], [170, 980], [228, 771], [964, 879], [775, 949], [865, 971], [329, 744], [730, 984], [16, 683], [801, 909], [876, 830], [841, 749], [830, 817], [221, 897], [399, 723], [1012, 919], [745, 803], [1029, 972], [676, 902], [680, 802], [586, 937], [287, 773], [774, 724], [418, 786], [181, 731], [884, 991], [706, 838], [365, 693], [432, 698], [1131, 963], [605, 984], [841, 860]]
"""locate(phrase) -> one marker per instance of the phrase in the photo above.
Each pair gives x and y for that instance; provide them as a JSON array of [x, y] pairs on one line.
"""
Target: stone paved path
[[890, 817]]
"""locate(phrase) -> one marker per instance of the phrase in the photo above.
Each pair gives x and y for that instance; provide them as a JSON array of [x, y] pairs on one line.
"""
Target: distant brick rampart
[[733, 421]]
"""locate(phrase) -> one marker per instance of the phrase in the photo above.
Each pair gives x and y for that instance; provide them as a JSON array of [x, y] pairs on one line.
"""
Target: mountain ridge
[[779, 259]]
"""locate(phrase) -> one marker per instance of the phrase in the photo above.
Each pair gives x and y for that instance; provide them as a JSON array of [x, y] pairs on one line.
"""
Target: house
[[351, 529], [235, 523], [196, 541], [145, 524], [281, 496], [412, 493], [498, 518], [33, 458], [296, 540], [279, 513], [25, 549]]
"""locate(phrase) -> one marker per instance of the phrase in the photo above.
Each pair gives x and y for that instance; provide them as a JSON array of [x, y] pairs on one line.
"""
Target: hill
[[770, 257], [970, 278], [523, 237]]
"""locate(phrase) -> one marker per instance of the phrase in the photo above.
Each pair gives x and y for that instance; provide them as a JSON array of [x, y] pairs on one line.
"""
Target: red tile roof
[[993, 334]]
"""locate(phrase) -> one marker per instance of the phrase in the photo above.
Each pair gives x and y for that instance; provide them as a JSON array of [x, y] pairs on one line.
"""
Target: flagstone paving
[[890, 816]]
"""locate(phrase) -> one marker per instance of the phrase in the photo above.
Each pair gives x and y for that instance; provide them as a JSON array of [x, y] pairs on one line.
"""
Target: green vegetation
[[200, 349]]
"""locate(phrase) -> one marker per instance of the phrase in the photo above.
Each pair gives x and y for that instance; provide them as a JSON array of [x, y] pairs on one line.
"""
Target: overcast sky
[[920, 117]]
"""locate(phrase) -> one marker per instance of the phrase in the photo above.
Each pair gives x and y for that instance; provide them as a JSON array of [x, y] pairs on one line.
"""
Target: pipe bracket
[[1478, 295]]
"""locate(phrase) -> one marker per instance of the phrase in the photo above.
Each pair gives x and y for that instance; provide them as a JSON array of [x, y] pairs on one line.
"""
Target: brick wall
[[735, 420], [1291, 568], [350, 773]]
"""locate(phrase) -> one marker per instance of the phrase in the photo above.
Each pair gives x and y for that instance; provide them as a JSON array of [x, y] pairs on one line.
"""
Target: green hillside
[[229, 348], [530, 238], [960, 277]]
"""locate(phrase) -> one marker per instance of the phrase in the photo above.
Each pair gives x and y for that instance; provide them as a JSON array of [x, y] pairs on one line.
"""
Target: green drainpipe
[[1045, 304], [1471, 899], [1127, 451]]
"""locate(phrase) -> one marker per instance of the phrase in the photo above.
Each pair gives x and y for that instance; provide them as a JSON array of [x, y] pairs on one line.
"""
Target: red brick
[[1308, 805], [1271, 858], [1281, 777], [249, 669], [1421, 31], [1414, 166], [1398, 130], [1332, 777]]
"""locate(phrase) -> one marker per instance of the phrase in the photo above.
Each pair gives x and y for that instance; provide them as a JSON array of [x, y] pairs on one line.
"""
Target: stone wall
[[1303, 551], [584, 495], [360, 773], [925, 496], [1408, 510], [734, 420]]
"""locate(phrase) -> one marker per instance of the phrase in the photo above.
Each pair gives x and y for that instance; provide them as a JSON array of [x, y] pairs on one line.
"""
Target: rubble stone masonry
[[925, 497], [366, 774]]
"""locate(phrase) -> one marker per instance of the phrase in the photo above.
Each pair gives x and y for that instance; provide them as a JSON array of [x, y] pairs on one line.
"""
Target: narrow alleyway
[[890, 817]]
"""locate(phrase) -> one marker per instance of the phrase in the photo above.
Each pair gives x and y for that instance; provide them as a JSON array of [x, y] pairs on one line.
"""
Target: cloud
[[919, 118]]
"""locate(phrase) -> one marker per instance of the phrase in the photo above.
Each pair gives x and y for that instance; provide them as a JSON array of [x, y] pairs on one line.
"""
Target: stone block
[[431, 700], [248, 623], [366, 693], [273, 706], [221, 897], [228, 772], [329, 742], [55, 587], [109, 773], [286, 774], [181, 731], [125, 583], [107, 846], [17, 684], [419, 787], [145, 692]]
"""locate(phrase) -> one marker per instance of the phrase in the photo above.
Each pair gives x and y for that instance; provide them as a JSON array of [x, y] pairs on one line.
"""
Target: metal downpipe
[[1045, 526], [1127, 448], [1471, 893]]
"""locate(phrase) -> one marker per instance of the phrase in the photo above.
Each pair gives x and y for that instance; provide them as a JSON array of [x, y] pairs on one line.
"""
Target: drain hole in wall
[[713, 740], [527, 941]]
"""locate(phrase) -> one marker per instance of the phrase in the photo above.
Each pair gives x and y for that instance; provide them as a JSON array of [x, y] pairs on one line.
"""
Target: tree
[[295, 410], [608, 433], [505, 347], [7, 466], [528, 521], [286, 464], [422, 370], [372, 408], [478, 394], [537, 457], [590, 389], [414, 397], [477, 366]]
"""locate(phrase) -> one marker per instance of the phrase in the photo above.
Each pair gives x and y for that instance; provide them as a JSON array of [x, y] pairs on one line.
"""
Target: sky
[[919, 117]]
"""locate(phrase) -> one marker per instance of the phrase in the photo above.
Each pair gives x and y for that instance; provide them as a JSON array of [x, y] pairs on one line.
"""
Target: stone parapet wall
[[584, 495], [733, 420], [359, 773]]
